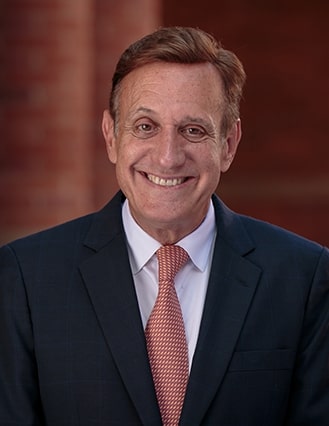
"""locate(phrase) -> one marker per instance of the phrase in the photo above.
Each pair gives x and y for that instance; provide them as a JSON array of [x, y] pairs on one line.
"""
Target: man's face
[[168, 148]]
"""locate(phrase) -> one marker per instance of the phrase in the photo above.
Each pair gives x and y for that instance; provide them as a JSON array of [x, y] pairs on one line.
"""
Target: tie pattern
[[165, 337]]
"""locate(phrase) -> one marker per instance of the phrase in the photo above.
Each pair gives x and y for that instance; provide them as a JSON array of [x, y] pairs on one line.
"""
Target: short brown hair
[[184, 45]]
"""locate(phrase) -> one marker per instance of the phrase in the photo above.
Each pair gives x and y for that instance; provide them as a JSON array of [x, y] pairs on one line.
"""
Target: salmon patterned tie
[[165, 337]]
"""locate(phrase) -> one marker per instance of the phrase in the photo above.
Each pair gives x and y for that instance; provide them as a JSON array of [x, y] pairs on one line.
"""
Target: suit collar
[[107, 276], [232, 284], [106, 224], [231, 230]]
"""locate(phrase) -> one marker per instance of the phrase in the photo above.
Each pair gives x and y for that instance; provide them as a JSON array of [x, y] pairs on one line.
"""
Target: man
[[76, 300]]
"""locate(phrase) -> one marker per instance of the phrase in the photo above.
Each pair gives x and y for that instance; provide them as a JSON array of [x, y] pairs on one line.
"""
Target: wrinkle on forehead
[[153, 76], [183, 90]]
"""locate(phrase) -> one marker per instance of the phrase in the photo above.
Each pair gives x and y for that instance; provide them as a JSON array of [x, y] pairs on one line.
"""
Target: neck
[[167, 235]]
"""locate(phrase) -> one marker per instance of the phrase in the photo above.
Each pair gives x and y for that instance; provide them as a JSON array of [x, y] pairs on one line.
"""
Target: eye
[[193, 133], [145, 129]]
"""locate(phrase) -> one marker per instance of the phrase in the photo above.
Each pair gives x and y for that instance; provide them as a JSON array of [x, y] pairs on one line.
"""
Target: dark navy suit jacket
[[72, 346]]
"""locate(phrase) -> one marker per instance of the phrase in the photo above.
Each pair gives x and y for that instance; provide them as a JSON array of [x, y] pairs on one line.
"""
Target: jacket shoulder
[[96, 226], [266, 233]]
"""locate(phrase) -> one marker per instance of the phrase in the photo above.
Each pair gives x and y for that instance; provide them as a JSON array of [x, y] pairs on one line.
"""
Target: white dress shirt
[[190, 282]]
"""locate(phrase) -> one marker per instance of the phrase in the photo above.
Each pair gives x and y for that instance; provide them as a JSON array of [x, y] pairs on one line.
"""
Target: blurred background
[[56, 64]]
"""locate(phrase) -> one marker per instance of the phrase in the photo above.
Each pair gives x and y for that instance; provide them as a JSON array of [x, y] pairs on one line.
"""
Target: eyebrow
[[197, 120], [187, 118]]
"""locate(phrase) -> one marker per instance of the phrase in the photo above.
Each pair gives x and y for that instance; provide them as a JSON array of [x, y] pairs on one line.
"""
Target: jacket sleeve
[[19, 392], [309, 402]]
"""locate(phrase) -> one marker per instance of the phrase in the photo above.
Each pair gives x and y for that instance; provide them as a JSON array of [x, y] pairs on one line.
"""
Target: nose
[[170, 149]]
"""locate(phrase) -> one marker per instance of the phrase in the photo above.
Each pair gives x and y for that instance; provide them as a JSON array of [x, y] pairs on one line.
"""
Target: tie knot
[[171, 258]]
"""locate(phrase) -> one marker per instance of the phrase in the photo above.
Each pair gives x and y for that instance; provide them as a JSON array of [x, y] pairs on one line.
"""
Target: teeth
[[165, 182]]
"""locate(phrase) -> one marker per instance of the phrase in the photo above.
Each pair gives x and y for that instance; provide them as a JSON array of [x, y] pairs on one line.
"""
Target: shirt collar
[[142, 246]]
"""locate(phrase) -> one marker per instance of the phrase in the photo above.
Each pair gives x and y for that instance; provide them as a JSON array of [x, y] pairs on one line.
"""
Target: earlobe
[[231, 144], [109, 136]]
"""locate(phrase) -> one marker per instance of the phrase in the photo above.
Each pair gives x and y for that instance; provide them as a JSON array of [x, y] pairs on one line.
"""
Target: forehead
[[173, 85]]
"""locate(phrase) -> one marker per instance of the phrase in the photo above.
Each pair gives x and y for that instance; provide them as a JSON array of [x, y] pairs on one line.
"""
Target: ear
[[230, 145], [109, 136]]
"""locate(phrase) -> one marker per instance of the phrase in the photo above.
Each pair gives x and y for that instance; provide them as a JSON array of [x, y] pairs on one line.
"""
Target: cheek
[[125, 160], [211, 167], [120, 154], [211, 160]]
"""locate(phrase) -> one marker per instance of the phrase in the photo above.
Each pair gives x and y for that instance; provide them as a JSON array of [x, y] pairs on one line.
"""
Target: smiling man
[[166, 307], [168, 145]]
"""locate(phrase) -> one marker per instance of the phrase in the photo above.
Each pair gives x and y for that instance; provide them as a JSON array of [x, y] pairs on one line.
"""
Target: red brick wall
[[281, 173], [57, 58], [45, 113]]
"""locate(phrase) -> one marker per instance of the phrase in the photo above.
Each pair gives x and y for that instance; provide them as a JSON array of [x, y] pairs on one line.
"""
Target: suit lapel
[[232, 284], [231, 288], [109, 282]]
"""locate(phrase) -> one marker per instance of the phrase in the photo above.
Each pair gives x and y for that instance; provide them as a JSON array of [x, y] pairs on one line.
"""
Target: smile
[[165, 182]]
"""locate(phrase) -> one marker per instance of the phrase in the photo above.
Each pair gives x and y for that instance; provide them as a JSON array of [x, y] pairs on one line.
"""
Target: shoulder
[[73, 230], [262, 239], [279, 251], [69, 237], [51, 250], [273, 237]]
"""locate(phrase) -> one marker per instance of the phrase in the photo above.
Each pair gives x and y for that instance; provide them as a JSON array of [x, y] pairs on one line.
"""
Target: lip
[[166, 182]]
